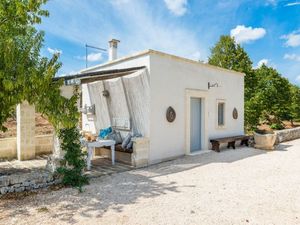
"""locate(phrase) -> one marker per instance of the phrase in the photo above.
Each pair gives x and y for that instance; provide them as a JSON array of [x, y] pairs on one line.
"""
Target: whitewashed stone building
[[175, 103]]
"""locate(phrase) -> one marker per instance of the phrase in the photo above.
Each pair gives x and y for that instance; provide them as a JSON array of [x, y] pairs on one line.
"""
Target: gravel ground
[[243, 186]]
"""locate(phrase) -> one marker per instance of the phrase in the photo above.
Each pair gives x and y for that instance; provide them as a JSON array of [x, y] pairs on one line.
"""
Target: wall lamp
[[209, 85]]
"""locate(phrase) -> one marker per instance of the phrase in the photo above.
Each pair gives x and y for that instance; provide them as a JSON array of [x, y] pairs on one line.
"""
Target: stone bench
[[230, 141], [138, 156]]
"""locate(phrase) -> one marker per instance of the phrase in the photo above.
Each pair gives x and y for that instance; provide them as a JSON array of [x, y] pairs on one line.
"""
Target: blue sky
[[269, 30]]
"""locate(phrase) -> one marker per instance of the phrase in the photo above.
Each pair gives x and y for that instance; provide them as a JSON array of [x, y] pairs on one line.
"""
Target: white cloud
[[244, 34], [177, 7], [261, 62], [92, 57], [142, 29], [271, 2], [292, 57], [292, 39], [298, 79], [54, 51], [293, 4]]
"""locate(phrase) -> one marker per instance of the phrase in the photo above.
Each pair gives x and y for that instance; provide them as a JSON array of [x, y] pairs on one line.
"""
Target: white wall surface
[[170, 79]]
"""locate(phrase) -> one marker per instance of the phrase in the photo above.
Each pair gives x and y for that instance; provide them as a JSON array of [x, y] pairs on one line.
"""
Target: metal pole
[[86, 52], [86, 55]]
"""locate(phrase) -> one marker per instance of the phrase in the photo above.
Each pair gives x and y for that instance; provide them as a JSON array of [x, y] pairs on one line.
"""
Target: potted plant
[[264, 139]]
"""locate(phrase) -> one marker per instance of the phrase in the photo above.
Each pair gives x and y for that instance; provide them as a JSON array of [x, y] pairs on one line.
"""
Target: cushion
[[130, 144], [105, 132], [116, 136], [126, 140]]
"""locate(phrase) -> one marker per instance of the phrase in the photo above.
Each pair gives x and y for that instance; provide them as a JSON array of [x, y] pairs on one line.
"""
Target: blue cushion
[[104, 132]]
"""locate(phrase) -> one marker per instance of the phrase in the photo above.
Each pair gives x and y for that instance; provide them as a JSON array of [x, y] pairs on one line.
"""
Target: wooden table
[[97, 144]]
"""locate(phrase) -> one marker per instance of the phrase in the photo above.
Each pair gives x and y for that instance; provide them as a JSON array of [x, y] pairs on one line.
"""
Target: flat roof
[[86, 77], [150, 51]]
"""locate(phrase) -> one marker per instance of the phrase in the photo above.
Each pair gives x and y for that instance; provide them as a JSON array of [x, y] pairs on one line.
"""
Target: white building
[[138, 89]]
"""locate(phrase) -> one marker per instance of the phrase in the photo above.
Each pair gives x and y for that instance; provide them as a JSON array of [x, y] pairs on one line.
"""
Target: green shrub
[[277, 126], [74, 162]]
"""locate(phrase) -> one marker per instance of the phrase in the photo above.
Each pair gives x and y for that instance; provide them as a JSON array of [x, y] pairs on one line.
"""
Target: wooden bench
[[118, 148], [230, 142]]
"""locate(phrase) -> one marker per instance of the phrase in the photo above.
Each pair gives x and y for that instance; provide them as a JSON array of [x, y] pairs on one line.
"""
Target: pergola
[[26, 138]]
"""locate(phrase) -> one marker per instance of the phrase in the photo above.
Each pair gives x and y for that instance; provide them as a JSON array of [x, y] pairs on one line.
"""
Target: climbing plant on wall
[[26, 75]]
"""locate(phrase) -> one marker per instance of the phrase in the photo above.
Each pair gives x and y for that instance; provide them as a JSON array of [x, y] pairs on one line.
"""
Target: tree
[[26, 75], [228, 54], [295, 104], [23, 73], [274, 93]]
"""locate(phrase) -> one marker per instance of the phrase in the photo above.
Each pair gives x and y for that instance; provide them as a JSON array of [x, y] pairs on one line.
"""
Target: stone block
[[4, 190], [25, 131], [4, 181], [140, 155], [20, 189]]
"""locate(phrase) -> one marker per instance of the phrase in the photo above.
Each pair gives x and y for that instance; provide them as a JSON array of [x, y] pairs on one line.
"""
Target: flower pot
[[264, 140]]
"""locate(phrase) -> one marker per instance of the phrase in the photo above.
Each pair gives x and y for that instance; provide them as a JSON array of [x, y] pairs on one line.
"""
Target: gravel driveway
[[243, 186]]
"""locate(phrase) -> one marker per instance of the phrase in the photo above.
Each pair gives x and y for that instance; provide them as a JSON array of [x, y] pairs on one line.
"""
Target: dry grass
[[42, 127]]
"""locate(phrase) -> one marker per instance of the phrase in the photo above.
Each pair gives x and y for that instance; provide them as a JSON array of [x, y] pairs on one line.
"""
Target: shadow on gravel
[[116, 191], [109, 192]]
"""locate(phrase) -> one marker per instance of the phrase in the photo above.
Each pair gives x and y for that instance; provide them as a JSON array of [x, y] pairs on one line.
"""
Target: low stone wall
[[8, 146], [26, 181], [44, 144], [287, 135]]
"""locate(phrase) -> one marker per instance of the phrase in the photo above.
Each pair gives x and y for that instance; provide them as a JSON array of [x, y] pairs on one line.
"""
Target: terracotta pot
[[264, 141]]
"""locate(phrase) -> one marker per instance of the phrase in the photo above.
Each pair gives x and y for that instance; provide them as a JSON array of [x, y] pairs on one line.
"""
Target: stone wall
[[287, 135], [26, 181], [44, 144], [8, 146]]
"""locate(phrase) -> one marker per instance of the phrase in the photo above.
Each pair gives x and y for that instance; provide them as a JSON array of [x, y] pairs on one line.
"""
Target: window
[[221, 113]]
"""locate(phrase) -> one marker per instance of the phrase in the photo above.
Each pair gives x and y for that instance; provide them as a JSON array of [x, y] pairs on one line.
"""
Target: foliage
[[74, 163], [26, 75], [274, 93], [227, 54], [230, 55], [268, 96], [277, 126], [253, 110], [23, 73], [295, 104]]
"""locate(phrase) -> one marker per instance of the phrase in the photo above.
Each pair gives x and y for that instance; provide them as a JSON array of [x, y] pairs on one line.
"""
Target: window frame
[[221, 101]]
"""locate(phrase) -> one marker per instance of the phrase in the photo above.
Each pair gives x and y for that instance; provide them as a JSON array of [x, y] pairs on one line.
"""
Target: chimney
[[113, 49]]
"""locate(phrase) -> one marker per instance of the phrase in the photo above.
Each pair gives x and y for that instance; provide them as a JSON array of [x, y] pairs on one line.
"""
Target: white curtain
[[129, 97]]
